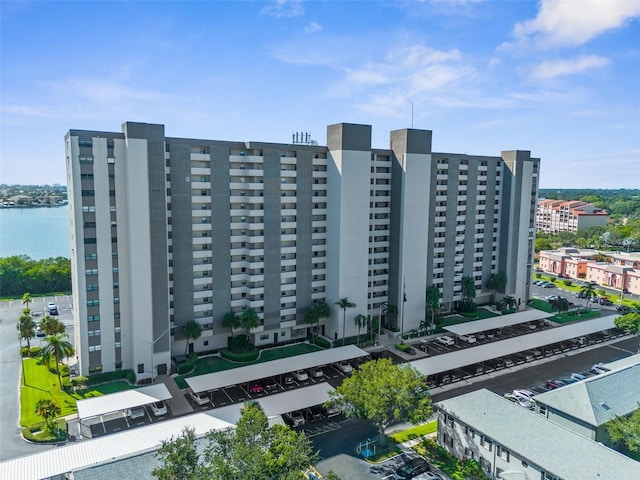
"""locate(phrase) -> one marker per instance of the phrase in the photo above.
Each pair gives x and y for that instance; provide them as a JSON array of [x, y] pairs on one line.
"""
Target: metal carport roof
[[279, 403], [111, 448], [488, 351], [500, 321], [236, 376], [113, 402]]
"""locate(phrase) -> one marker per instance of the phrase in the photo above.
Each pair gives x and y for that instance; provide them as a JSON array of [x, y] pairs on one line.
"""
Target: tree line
[[20, 273]]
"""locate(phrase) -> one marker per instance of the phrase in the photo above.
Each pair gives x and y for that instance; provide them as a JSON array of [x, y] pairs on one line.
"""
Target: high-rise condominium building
[[167, 230]]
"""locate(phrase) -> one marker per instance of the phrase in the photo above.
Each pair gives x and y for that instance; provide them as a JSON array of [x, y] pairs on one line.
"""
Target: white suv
[[444, 340], [199, 398], [468, 338]]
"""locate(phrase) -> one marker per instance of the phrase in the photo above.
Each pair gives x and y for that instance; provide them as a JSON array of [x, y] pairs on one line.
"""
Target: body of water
[[36, 232]]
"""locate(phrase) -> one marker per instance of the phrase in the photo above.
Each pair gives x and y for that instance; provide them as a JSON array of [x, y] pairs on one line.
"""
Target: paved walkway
[[179, 403]]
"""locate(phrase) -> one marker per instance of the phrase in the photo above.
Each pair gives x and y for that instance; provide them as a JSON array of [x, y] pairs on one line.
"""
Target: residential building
[[167, 230], [511, 442], [553, 216], [587, 406]]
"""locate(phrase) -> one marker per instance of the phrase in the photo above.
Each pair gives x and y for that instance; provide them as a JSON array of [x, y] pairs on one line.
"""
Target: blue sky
[[559, 78]]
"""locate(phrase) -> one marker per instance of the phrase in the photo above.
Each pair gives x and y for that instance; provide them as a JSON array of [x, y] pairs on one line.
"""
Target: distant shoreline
[[34, 206]]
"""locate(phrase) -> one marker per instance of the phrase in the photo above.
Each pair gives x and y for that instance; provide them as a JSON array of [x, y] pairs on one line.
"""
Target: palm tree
[[433, 302], [190, 331], [249, 319], [496, 283], [59, 348], [26, 327], [509, 301], [231, 320], [344, 303], [26, 299], [468, 294], [589, 291], [360, 321], [560, 304], [391, 311], [48, 409], [317, 310], [51, 325]]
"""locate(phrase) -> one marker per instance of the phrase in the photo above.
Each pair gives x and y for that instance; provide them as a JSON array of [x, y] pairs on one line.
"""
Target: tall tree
[[317, 310], [57, 347], [48, 409], [344, 303], [560, 304], [588, 291], [26, 299], [231, 320], [468, 295], [496, 283], [629, 323], [391, 311], [179, 458], [26, 327], [255, 451], [51, 325], [626, 430], [249, 319], [190, 331], [360, 322], [433, 303], [384, 393]]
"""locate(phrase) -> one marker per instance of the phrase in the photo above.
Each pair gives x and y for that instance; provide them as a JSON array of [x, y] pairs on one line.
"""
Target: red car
[[553, 384], [255, 388]]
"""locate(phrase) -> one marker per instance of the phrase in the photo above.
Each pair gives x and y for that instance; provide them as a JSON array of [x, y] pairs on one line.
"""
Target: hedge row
[[186, 367], [35, 433], [240, 357]]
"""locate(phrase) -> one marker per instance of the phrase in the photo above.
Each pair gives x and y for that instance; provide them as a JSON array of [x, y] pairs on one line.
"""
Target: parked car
[[200, 398], [528, 394], [136, 412], [551, 298], [316, 373], [315, 413], [623, 309], [553, 384], [295, 419], [599, 368], [159, 408], [39, 332], [301, 375], [548, 285], [625, 290], [428, 476], [331, 411], [52, 308], [444, 340], [580, 295], [412, 468], [345, 367], [520, 400], [255, 387], [568, 380], [578, 376], [288, 380], [468, 338], [270, 384], [605, 301]]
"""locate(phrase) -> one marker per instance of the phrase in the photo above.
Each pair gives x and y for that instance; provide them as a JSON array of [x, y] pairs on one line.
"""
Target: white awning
[[280, 403], [500, 321], [113, 402], [107, 449], [488, 351], [237, 376]]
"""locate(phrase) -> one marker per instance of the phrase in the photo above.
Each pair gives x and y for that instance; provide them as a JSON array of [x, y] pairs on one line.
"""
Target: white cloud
[[313, 27], [284, 9], [555, 68], [571, 23]]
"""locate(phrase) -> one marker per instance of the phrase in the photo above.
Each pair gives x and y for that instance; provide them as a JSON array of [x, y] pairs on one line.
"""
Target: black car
[[605, 301], [623, 309], [413, 467]]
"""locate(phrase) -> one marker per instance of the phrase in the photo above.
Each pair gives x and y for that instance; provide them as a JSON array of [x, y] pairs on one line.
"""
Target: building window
[[141, 368], [264, 336]]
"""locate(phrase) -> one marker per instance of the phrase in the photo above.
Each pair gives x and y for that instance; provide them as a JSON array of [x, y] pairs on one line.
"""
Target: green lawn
[[219, 364], [415, 432], [41, 383]]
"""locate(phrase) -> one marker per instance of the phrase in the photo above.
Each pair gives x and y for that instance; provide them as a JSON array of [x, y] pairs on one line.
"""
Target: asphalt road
[[11, 443]]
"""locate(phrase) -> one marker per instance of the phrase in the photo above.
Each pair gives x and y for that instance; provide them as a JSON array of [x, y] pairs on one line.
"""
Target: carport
[[494, 323], [481, 353], [59, 462], [275, 405], [238, 376], [96, 407]]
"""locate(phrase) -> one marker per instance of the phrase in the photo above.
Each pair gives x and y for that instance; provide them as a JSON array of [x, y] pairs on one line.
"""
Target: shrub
[[38, 434], [111, 376], [189, 364], [538, 275], [567, 283], [79, 382], [239, 344], [472, 315], [506, 311], [403, 347], [321, 342], [239, 357]]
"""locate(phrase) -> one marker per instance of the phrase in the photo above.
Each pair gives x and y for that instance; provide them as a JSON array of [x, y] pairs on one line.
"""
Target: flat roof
[[107, 449], [113, 402], [488, 351], [279, 403], [500, 321], [236, 376]]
